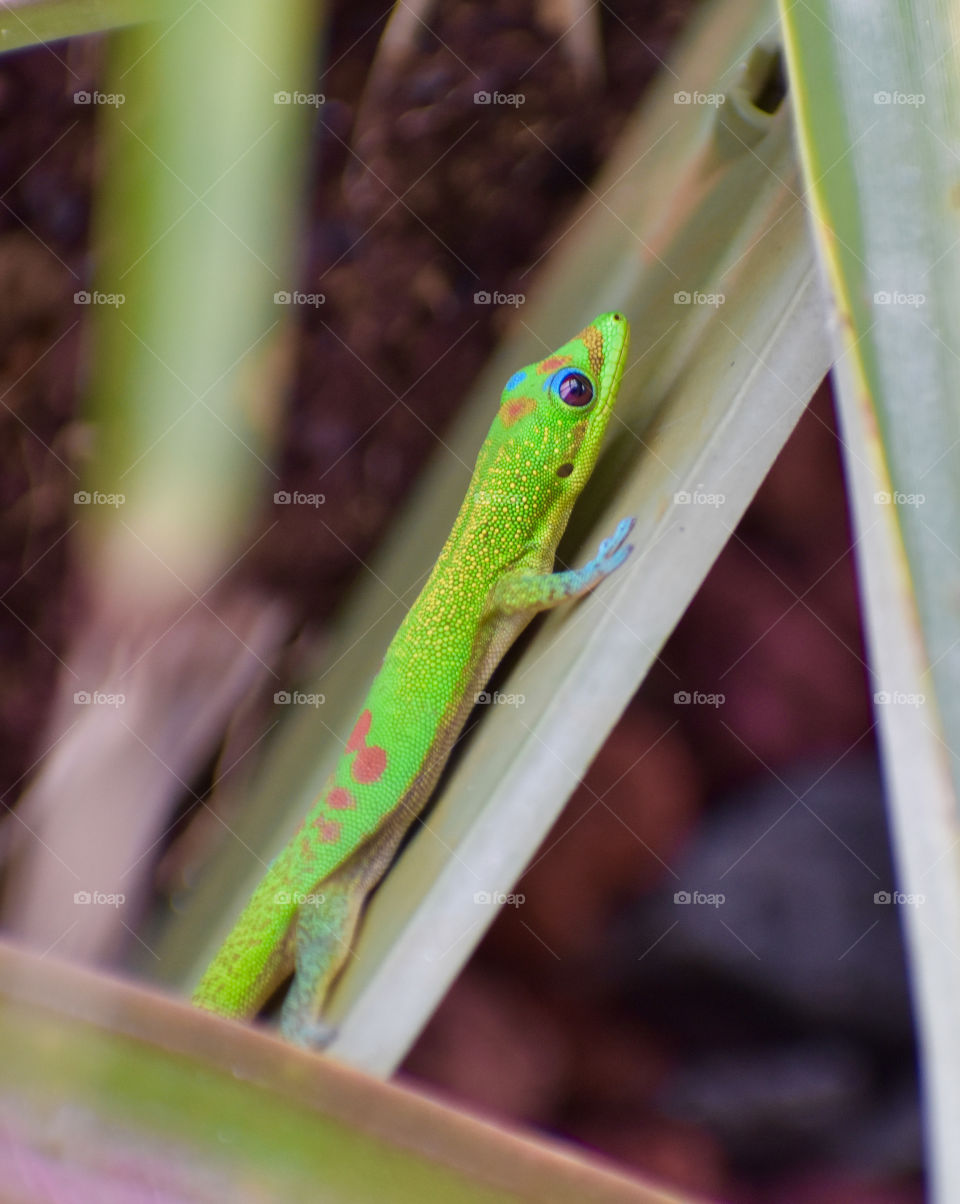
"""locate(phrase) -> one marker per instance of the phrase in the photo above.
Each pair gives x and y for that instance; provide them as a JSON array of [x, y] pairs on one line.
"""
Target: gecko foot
[[313, 1034], [613, 551]]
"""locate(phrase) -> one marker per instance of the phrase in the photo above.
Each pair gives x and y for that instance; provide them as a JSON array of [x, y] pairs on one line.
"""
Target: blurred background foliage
[[770, 1074]]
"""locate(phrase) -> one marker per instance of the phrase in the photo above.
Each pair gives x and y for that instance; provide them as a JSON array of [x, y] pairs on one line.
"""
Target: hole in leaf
[[768, 79]]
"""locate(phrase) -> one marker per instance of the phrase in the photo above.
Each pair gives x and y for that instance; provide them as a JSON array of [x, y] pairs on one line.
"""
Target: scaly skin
[[492, 576]]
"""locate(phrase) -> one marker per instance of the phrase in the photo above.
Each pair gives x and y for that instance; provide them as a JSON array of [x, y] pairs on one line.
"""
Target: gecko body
[[494, 573]]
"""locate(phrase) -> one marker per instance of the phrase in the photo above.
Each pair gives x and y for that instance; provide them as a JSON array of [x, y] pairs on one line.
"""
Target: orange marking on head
[[369, 764], [592, 339], [553, 363], [513, 411], [358, 737], [340, 799]]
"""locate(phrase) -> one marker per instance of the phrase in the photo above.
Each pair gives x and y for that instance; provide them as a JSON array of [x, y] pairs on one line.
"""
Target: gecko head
[[553, 415]]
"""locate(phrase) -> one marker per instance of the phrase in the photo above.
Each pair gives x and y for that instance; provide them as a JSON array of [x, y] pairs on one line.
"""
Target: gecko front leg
[[541, 591]]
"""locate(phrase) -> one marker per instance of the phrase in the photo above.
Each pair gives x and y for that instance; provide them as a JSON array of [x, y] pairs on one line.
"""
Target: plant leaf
[[110, 1092], [31, 22], [878, 112]]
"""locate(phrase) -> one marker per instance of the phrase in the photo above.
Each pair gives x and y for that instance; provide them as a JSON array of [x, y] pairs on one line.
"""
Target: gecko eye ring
[[575, 389]]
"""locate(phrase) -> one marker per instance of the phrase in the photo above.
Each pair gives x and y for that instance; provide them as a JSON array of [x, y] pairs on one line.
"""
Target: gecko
[[493, 574]]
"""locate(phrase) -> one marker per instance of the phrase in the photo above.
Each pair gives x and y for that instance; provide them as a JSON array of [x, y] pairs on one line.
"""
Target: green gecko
[[494, 573]]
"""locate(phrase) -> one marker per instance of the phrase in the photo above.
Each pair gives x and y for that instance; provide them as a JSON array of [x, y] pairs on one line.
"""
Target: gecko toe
[[315, 1034], [618, 557]]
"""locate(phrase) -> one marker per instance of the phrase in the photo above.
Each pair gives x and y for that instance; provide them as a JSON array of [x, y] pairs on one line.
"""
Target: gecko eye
[[575, 389]]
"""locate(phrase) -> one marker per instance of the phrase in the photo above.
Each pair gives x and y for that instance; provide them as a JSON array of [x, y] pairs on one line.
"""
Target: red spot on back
[[340, 799], [358, 737], [327, 829], [554, 362], [370, 764], [514, 410]]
